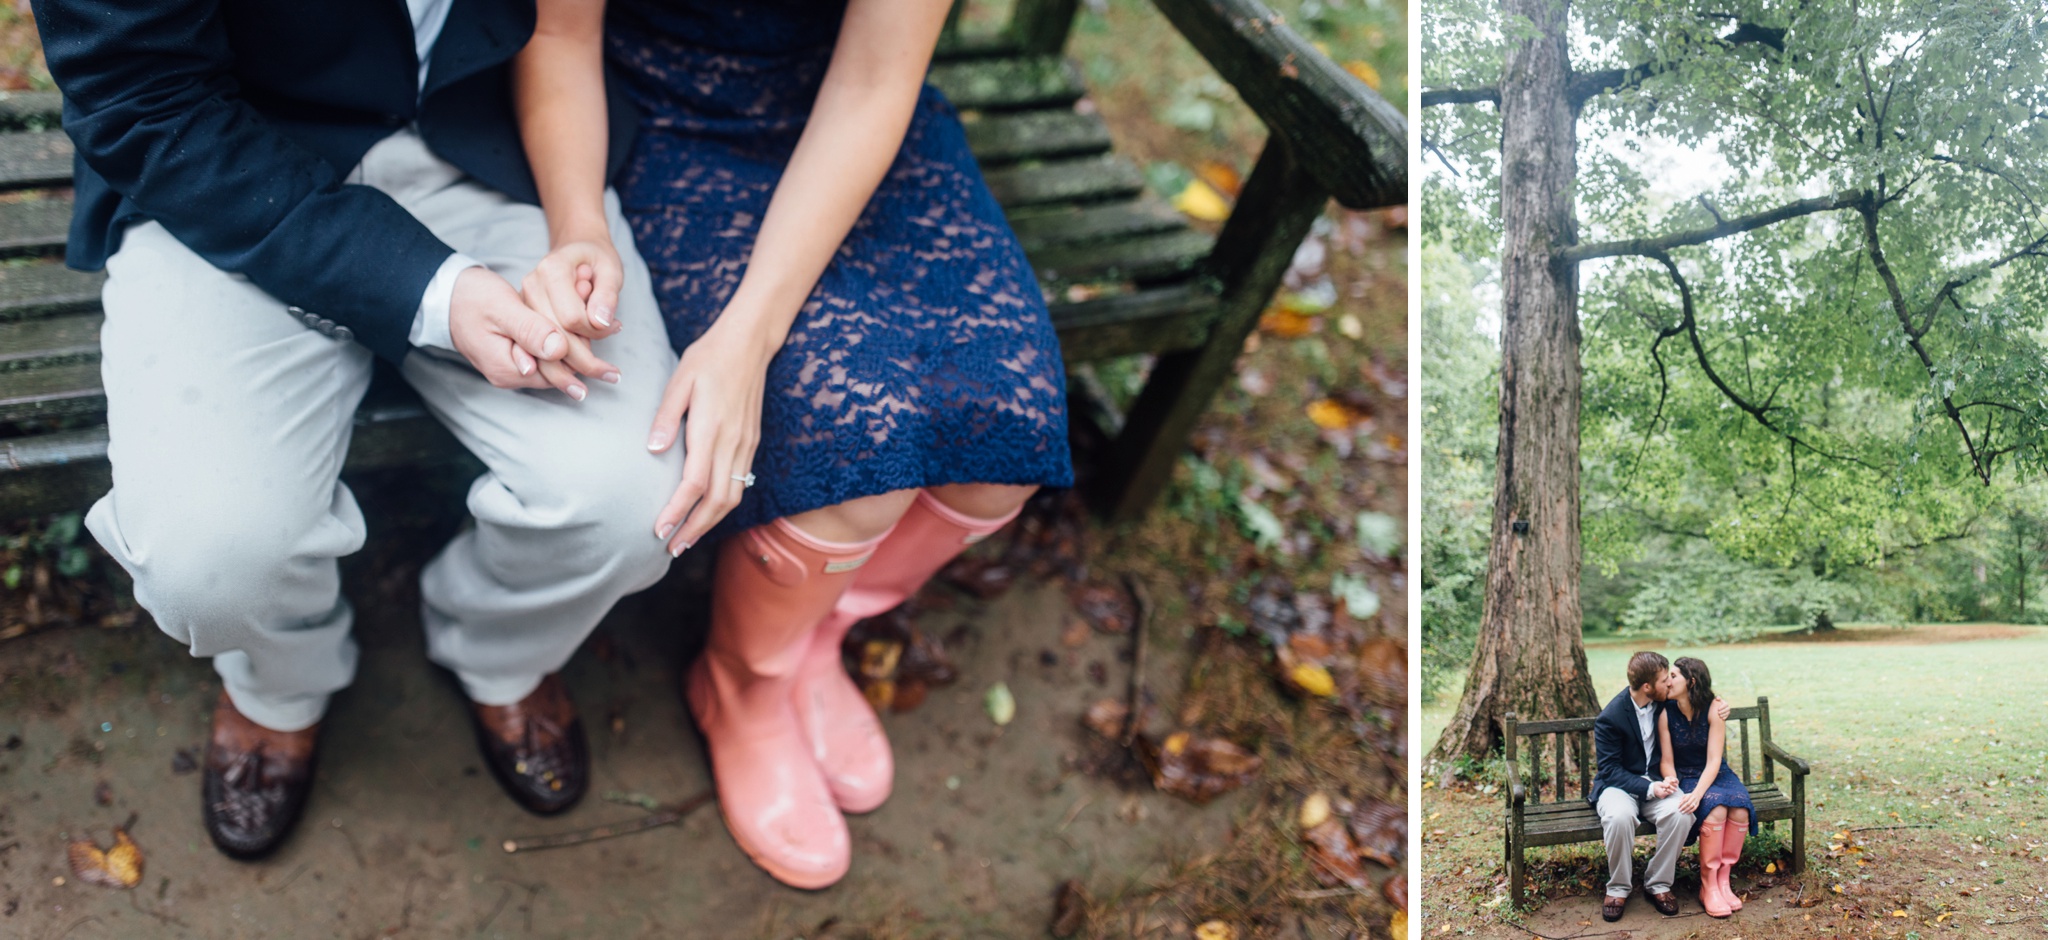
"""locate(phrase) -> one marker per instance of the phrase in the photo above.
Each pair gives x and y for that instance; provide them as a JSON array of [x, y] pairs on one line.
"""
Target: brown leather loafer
[[1665, 902], [1611, 907], [256, 782], [535, 747]]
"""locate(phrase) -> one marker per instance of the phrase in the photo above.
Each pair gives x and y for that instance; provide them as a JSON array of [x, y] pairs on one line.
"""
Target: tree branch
[[1585, 86], [1654, 247], [1431, 97]]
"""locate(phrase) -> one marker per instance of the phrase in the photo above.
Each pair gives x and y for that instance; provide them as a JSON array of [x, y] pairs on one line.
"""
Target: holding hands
[[517, 344]]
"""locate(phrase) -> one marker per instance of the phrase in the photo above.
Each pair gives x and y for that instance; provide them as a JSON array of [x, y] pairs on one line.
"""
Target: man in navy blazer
[[1628, 792], [282, 194]]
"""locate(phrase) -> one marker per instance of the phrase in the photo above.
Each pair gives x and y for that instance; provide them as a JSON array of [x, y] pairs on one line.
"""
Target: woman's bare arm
[[855, 130], [558, 89], [1666, 769]]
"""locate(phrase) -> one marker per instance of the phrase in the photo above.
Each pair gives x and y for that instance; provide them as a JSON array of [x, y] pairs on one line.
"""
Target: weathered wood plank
[[1003, 138], [1008, 83], [1091, 179], [1163, 319], [1169, 255], [46, 289], [1042, 26], [955, 46], [34, 159], [1042, 227], [1344, 134], [34, 226], [50, 341], [31, 110], [56, 391]]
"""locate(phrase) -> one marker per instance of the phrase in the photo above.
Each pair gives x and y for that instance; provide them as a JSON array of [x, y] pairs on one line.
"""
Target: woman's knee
[[983, 500], [856, 520], [1738, 817], [1719, 815]]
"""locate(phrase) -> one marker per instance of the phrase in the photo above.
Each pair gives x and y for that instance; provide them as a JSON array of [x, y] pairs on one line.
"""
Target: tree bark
[[1530, 657]]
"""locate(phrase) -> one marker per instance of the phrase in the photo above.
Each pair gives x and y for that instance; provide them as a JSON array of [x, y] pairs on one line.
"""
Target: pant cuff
[[285, 715], [498, 690]]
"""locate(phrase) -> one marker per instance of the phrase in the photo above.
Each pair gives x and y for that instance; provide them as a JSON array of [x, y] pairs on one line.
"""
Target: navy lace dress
[[1689, 758], [925, 355]]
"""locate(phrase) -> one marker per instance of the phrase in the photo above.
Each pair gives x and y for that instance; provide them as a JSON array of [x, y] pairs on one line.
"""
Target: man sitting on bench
[[280, 195], [1625, 795]]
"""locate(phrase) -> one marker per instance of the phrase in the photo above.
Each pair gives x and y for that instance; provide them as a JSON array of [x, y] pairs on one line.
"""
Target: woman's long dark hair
[[1699, 683]]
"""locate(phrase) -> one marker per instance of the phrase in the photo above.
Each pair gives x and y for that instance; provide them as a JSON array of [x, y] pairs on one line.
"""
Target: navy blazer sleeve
[[151, 102], [1608, 743]]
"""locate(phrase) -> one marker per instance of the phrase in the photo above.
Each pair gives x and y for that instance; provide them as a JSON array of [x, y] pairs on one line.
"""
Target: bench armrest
[[1793, 764], [1348, 137], [1517, 794]]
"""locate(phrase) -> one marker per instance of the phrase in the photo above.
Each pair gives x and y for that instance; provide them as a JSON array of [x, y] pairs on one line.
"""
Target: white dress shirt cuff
[[430, 324]]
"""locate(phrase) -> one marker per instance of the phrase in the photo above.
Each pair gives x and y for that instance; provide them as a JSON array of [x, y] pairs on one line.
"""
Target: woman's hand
[[577, 285], [1691, 801], [715, 395]]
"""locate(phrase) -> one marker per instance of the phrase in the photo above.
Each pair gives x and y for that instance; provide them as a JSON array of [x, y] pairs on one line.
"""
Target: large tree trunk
[[1531, 659]]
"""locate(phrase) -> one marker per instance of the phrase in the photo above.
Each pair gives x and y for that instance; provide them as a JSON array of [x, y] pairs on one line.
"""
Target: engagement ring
[[746, 480]]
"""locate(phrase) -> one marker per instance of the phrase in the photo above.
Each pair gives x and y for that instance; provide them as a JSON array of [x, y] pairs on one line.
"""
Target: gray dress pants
[[1619, 813], [229, 419]]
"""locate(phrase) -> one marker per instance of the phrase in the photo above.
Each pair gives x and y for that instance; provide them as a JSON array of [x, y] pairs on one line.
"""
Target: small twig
[[287, 882], [653, 820], [1882, 828], [1075, 813], [1138, 632]]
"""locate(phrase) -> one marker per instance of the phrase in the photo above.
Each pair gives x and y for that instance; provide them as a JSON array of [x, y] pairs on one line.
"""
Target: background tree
[[1836, 324]]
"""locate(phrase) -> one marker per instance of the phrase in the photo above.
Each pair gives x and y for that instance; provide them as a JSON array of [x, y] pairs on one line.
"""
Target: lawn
[[1904, 728]]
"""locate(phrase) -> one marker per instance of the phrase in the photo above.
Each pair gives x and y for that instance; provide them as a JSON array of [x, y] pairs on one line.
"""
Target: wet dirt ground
[[403, 831]]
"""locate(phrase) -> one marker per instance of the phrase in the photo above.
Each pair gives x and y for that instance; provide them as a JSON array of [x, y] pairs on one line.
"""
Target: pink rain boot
[[773, 585], [845, 735], [1711, 867], [1731, 852]]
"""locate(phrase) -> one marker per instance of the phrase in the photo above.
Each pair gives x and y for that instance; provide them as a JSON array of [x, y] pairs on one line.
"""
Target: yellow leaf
[[1771, 869], [1365, 72], [1314, 810], [1898, 913], [1215, 930], [1331, 415], [1287, 324], [1201, 201], [1313, 679], [1398, 925], [1220, 175], [118, 867]]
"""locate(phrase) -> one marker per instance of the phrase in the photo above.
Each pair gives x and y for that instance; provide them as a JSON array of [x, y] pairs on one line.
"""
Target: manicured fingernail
[[677, 550], [657, 440], [601, 315], [525, 362], [552, 346], [612, 376], [665, 531], [577, 391]]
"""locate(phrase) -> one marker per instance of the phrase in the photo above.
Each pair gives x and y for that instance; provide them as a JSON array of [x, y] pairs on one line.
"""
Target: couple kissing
[[1659, 747]]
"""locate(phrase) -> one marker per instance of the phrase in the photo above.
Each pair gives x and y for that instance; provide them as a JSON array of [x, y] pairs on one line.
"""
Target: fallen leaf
[[1379, 535], [1314, 810], [1107, 607], [1069, 908], [1333, 415], [880, 693], [1312, 679], [1201, 201], [1287, 323], [1107, 717], [1365, 72], [1397, 925], [1333, 856], [1002, 706], [118, 867], [878, 658], [1220, 175], [1076, 634], [1215, 930], [1396, 891], [1197, 768], [1380, 831], [1383, 672]]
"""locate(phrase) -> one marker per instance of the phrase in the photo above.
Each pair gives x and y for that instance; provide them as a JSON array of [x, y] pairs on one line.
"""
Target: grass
[[1948, 738]]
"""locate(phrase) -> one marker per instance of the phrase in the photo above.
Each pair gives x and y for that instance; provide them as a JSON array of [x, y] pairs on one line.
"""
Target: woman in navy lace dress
[[869, 381], [1692, 739]]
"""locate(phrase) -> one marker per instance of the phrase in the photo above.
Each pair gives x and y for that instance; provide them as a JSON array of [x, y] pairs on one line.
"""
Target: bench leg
[[1279, 203]]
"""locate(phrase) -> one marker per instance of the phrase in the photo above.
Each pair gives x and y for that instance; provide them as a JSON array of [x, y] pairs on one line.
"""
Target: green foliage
[[1700, 596], [1459, 395]]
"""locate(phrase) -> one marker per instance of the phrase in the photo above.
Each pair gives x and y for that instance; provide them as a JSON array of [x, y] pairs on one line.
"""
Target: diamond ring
[[745, 480]]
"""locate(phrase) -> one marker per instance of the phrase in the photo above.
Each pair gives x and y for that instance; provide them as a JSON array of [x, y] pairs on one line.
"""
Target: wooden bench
[[1568, 818], [1153, 284]]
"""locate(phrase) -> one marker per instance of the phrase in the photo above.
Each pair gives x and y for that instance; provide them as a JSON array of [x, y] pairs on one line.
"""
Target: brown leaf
[[118, 867], [981, 577], [1106, 717], [925, 661], [1288, 323], [910, 693], [1069, 908], [1332, 855], [1076, 634], [1396, 890], [1197, 768], [1107, 607], [1380, 831], [1221, 175], [880, 693], [1383, 672], [878, 659]]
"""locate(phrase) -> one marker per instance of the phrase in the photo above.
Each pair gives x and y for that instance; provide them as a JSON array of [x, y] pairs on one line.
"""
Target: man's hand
[[513, 346], [1662, 789], [1719, 709]]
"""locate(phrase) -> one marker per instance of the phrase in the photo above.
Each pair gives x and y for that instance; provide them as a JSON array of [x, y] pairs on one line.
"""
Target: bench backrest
[[1570, 748]]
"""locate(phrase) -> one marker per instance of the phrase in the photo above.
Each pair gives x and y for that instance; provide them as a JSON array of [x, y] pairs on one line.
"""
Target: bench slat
[[1165, 256], [1090, 179], [1008, 83], [47, 289], [1042, 227], [69, 339], [34, 159], [997, 139], [34, 226], [31, 110], [1164, 319]]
